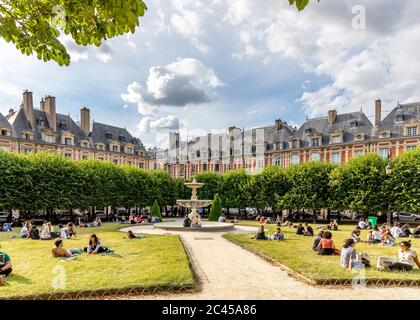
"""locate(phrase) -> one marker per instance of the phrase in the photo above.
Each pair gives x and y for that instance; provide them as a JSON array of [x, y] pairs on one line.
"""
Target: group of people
[[6, 227], [30, 231], [260, 235], [94, 246], [138, 218]]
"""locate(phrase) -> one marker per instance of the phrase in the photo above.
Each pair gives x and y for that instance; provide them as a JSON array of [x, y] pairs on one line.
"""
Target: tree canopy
[[35, 26]]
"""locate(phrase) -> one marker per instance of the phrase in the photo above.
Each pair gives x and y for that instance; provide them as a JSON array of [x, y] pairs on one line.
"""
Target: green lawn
[[296, 253], [152, 261]]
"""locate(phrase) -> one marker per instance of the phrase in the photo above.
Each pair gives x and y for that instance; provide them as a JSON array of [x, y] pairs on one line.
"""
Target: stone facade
[[27, 130], [333, 138]]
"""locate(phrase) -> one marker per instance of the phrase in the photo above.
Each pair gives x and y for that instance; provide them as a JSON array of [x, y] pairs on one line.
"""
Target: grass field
[[296, 253], [152, 261]]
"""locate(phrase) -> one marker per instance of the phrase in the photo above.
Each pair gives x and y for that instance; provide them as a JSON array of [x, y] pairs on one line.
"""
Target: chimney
[[378, 112], [332, 115], [278, 124], [11, 112], [85, 120], [49, 109], [42, 105], [28, 107]]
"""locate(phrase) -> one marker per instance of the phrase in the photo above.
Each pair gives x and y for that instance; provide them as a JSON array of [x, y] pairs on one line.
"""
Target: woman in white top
[[24, 232], [407, 257], [46, 231]]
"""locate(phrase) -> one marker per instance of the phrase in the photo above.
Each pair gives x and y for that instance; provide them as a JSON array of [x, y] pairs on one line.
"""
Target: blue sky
[[207, 65]]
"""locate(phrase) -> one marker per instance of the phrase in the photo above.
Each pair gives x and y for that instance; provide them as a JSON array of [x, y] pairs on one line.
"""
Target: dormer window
[[84, 144], [108, 136], [40, 122], [295, 143], [336, 137], [62, 126], [129, 150], [385, 134], [48, 138], [359, 137], [197, 154], [399, 118], [114, 148], [5, 132], [27, 136], [353, 124], [68, 141], [121, 138], [308, 131], [100, 146]]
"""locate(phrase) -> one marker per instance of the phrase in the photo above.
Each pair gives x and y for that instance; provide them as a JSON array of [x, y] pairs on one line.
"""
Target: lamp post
[[388, 171]]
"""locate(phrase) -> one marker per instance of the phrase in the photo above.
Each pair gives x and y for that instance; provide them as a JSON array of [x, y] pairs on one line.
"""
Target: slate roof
[[103, 133], [4, 122], [393, 122], [19, 123], [350, 123]]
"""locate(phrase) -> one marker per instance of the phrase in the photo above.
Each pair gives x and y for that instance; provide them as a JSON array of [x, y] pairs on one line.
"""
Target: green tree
[[309, 186], [156, 210], [359, 184], [265, 189], [35, 26], [216, 209], [234, 189], [212, 184], [404, 182]]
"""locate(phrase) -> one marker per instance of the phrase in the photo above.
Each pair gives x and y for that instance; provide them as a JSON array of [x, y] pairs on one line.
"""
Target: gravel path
[[227, 271]]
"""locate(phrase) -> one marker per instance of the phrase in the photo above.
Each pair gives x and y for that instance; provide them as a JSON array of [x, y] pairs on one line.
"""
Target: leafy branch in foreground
[[34, 26], [300, 4]]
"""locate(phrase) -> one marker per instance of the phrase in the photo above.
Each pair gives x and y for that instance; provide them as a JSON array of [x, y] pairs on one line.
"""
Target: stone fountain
[[194, 203]]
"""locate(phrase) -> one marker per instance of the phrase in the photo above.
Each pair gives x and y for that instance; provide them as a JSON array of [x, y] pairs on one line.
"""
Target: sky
[[205, 65]]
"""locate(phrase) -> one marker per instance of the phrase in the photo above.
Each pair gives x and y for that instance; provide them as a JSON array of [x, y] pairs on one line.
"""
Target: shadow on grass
[[17, 279]]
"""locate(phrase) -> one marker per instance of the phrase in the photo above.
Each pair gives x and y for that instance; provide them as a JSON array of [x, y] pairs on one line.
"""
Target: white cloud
[[148, 124], [184, 82], [78, 52]]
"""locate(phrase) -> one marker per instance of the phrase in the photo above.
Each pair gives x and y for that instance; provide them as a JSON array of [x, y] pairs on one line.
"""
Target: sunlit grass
[[152, 261], [297, 254]]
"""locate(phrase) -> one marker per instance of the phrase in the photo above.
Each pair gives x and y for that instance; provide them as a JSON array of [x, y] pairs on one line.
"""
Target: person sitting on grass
[[362, 224], [374, 235], [24, 232], [388, 239], [137, 219], [6, 227], [260, 234], [262, 219], [348, 255], [70, 230], [5, 264], [326, 246], [333, 225], [278, 235], [131, 235], [222, 219], [396, 231], [300, 230], [316, 240], [64, 232], [34, 233], [355, 234], [48, 233], [58, 251], [406, 231], [406, 256], [416, 232], [96, 246], [309, 231]]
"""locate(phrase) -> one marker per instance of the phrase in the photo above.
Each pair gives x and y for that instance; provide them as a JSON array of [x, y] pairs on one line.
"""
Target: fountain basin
[[193, 203], [207, 226]]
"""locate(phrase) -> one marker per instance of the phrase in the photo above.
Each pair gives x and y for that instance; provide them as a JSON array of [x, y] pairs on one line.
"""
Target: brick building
[[27, 130], [334, 138]]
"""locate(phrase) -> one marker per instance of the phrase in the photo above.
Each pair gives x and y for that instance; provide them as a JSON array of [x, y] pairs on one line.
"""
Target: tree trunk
[[313, 216]]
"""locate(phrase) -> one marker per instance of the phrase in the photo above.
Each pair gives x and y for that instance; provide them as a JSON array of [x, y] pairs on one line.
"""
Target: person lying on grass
[[326, 246], [131, 235], [406, 256], [58, 251], [260, 234], [5, 264], [96, 246]]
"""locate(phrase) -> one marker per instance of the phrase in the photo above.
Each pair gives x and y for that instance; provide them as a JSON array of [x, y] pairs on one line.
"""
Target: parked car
[[5, 217], [406, 217], [351, 215], [36, 217], [101, 215]]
